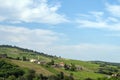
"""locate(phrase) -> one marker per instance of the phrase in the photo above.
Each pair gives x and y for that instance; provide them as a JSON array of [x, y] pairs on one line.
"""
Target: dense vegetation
[[17, 66], [102, 63], [10, 71], [7, 70]]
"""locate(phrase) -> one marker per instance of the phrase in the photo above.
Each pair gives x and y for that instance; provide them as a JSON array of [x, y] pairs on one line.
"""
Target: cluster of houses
[[38, 62], [56, 65], [42, 62], [116, 75]]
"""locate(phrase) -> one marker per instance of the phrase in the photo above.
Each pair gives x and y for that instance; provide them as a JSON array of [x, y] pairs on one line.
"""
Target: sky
[[75, 29]]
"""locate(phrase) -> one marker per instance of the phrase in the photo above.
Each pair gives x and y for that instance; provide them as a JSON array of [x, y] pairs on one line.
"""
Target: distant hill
[[106, 63], [24, 50], [49, 65]]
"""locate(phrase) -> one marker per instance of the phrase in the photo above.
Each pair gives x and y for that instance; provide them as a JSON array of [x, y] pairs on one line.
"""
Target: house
[[33, 60], [116, 75], [41, 62], [61, 64], [38, 62]]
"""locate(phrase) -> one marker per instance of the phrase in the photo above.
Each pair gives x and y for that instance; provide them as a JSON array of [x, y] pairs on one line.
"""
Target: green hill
[[52, 65]]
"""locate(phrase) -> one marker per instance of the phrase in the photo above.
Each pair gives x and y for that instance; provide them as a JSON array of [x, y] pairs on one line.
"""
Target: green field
[[89, 68]]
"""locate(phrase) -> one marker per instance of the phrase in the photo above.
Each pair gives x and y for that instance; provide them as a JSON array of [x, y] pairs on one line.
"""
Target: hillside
[[51, 65]]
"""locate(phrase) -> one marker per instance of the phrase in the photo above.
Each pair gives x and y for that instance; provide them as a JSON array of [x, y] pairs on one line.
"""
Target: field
[[89, 69]]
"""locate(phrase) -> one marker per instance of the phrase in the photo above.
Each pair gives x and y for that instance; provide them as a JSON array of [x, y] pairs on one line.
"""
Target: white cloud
[[50, 42], [31, 38], [38, 11], [109, 19], [113, 9], [91, 24]]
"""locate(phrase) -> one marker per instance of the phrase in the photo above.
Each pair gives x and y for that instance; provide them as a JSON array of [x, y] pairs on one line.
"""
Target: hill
[[106, 63], [48, 65]]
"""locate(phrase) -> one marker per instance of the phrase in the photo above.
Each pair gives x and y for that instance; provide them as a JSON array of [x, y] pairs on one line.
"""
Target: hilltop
[[49, 65]]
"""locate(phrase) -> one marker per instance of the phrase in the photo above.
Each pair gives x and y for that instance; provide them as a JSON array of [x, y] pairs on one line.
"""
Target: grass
[[29, 65], [14, 53], [87, 65], [89, 68], [81, 75], [78, 75]]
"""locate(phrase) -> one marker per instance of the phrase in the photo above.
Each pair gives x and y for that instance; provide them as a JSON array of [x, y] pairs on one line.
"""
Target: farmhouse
[[37, 61], [116, 75], [33, 60], [61, 64], [41, 62]]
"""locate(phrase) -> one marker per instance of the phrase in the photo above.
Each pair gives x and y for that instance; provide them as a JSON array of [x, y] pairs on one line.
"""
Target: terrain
[[48, 65]]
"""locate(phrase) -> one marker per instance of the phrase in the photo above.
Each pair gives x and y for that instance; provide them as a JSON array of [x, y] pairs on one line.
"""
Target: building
[[61, 64], [33, 60]]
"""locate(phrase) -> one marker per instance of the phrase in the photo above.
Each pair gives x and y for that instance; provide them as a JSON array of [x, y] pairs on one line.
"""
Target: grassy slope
[[37, 68], [87, 65], [13, 52], [89, 68], [52, 71]]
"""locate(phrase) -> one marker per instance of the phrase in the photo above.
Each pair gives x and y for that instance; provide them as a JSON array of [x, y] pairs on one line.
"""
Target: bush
[[8, 69]]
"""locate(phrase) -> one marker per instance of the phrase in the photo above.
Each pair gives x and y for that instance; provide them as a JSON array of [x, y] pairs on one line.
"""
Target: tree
[[8, 69], [73, 67], [61, 76], [51, 63], [88, 79], [71, 76], [41, 76], [108, 70], [66, 67], [18, 58], [12, 77], [29, 75], [24, 58]]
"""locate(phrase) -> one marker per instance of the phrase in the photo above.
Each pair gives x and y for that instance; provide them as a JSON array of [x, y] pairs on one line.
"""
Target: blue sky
[[76, 29]]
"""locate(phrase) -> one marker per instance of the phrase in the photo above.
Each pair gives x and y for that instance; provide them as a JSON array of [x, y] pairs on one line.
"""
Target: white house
[[33, 60]]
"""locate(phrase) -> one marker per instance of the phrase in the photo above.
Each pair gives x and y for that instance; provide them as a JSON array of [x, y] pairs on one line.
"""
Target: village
[[51, 63]]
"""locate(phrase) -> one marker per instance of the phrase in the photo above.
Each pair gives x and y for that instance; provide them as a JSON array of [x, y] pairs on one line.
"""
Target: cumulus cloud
[[50, 42], [38, 11], [113, 9], [109, 19], [31, 38]]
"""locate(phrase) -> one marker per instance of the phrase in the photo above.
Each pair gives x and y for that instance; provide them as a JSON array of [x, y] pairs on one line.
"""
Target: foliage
[[7, 69], [40, 72], [108, 70], [73, 67], [51, 63]]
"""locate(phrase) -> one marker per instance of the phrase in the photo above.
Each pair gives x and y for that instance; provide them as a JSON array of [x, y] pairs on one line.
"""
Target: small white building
[[38, 62], [33, 60]]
